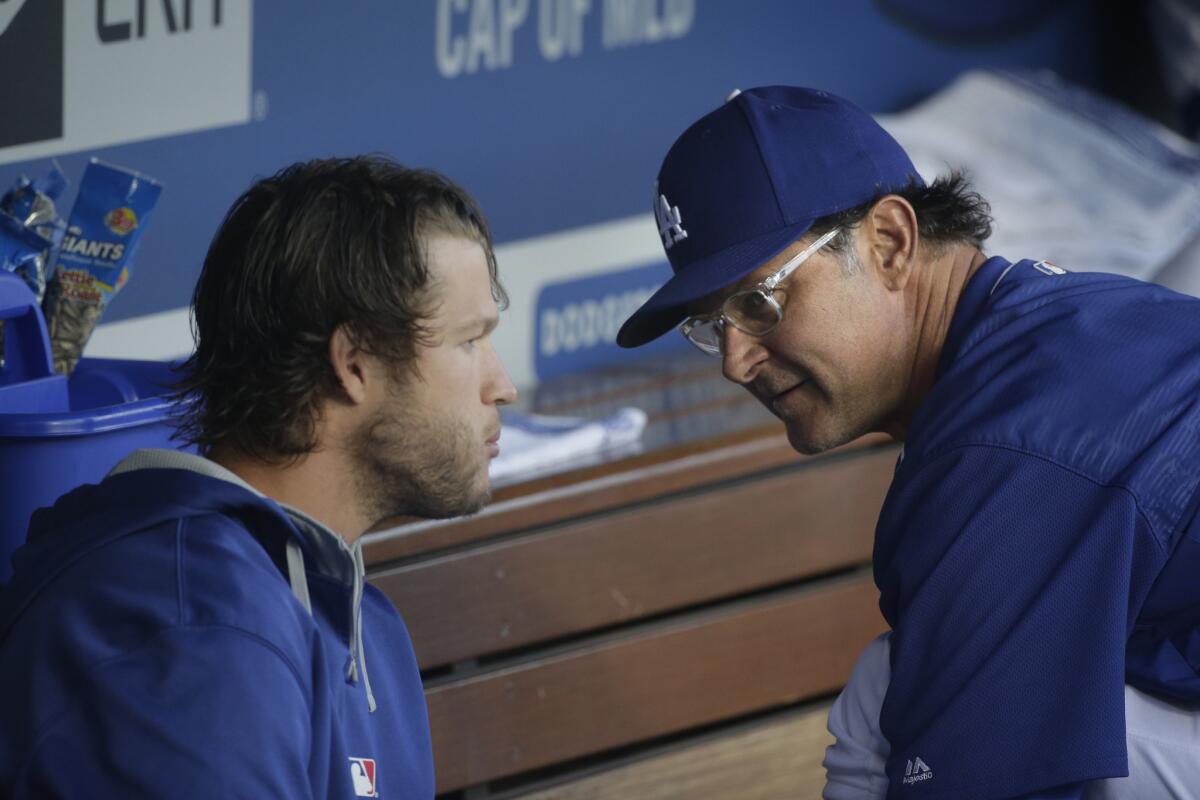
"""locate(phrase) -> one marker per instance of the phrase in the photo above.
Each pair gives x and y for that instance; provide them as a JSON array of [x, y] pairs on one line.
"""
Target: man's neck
[[316, 483], [938, 285]]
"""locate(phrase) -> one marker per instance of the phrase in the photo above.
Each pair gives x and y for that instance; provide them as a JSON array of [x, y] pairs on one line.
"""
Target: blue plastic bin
[[56, 434]]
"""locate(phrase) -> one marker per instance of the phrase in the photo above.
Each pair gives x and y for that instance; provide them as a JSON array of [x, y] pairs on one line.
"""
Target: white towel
[[532, 444]]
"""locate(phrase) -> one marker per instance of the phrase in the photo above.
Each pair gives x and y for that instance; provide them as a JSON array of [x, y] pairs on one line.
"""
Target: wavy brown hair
[[319, 245]]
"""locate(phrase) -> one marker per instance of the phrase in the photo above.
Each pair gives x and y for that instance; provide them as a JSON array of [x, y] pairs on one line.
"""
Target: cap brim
[[666, 308]]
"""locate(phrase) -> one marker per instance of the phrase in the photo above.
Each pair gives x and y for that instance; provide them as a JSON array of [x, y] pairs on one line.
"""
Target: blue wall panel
[[545, 145]]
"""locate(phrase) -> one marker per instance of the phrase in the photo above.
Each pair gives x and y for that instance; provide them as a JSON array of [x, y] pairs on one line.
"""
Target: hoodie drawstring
[[358, 656], [299, 583]]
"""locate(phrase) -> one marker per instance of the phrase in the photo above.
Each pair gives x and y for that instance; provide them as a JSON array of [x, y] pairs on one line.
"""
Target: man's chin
[[462, 507], [477, 503], [470, 503], [805, 447], [431, 504], [810, 442]]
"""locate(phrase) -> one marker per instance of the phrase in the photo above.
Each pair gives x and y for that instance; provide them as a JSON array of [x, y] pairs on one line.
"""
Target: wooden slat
[[670, 678], [558, 497], [549, 500], [775, 760], [619, 567]]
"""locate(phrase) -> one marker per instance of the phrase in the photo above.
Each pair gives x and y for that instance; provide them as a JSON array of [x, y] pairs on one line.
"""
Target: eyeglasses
[[754, 311]]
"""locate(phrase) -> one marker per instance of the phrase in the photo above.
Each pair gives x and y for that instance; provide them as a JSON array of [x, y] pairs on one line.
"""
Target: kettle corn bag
[[95, 258]]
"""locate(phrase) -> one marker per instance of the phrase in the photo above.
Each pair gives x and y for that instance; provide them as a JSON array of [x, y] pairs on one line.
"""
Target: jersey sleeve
[[195, 713], [1006, 578]]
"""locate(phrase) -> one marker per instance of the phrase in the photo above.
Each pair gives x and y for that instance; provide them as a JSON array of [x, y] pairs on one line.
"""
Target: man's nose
[[742, 355], [500, 390]]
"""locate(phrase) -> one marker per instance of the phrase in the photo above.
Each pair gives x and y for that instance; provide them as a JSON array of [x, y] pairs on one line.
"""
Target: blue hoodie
[[171, 632]]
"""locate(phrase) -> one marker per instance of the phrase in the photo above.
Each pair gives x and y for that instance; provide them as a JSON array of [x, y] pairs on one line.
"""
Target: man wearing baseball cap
[[1038, 551]]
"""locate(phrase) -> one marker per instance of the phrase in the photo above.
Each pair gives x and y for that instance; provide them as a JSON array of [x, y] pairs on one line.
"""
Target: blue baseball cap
[[750, 178]]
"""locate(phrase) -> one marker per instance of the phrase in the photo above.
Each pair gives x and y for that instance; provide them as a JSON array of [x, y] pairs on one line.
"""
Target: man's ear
[[349, 363], [889, 231]]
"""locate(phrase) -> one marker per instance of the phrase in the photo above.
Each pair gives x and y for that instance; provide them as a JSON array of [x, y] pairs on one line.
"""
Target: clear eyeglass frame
[[754, 311]]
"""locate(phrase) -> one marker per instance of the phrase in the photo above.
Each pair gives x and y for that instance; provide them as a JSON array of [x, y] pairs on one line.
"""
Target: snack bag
[[32, 203], [96, 255], [29, 229], [22, 252]]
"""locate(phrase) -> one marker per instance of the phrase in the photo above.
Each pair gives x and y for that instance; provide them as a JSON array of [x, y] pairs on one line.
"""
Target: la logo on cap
[[670, 224]]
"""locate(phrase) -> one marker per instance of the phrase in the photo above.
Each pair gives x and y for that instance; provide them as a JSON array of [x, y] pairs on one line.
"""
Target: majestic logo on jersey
[[362, 772], [917, 770], [670, 224]]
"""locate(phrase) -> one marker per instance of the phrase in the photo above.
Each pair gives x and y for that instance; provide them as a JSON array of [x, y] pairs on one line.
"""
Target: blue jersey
[[1039, 547], [168, 633]]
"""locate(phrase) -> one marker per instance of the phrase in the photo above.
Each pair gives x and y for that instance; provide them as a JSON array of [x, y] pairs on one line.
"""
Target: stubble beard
[[841, 424], [417, 466]]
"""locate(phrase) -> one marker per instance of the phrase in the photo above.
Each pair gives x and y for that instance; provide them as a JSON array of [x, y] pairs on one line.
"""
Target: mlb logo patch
[[362, 772]]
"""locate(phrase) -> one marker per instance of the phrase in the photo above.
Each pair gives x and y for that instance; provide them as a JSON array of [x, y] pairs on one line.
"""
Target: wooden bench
[[674, 617]]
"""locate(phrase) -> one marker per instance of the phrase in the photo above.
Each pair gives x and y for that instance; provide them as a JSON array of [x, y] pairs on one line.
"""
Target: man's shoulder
[[1096, 374], [147, 602], [198, 570]]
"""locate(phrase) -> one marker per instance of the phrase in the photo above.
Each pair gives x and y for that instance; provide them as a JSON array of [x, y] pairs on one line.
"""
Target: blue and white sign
[[577, 321], [555, 114]]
